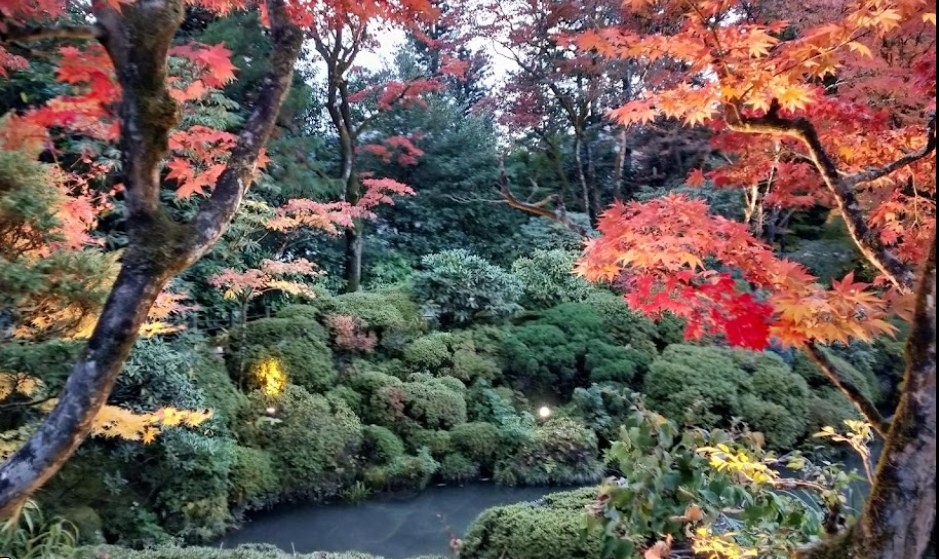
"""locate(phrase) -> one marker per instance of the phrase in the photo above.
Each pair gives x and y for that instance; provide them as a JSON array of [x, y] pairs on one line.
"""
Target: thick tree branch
[[217, 212], [558, 214], [137, 41], [867, 240], [830, 370]]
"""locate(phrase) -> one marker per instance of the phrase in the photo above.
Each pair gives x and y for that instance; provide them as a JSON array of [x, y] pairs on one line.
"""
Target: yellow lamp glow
[[271, 377]]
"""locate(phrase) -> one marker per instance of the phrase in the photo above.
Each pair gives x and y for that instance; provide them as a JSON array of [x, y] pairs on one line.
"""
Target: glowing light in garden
[[544, 412], [271, 377]]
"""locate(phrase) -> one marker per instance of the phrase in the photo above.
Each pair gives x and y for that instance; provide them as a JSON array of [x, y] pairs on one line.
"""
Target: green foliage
[[312, 444], [430, 352], [677, 483], [43, 295], [31, 536], [466, 355], [543, 234], [380, 445], [548, 279], [245, 551], [458, 468], [479, 441], [412, 472], [554, 528], [456, 287], [430, 403], [706, 386], [866, 383], [562, 452], [209, 374], [436, 442], [603, 407], [254, 480], [572, 345], [299, 345], [49, 361], [390, 313]]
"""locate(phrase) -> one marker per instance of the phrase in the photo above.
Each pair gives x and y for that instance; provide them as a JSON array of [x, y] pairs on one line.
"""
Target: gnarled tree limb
[[841, 187], [558, 213], [137, 39], [830, 370]]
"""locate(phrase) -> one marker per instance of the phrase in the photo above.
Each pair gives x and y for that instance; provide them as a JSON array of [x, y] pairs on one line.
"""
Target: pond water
[[393, 526]]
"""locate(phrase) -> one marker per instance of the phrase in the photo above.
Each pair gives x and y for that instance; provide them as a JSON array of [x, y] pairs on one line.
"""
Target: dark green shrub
[[428, 404], [412, 472], [253, 477], [828, 407], [706, 386], [429, 353], [547, 279], [553, 529], [380, 445], [603, 407], [391, 314], [221, 394], [299, 346], [867, 384], [437, 442], [624, 327], [458, 468], [456, 287], [480, 442], [563, 452], [244, 551], [695, 385], [311, 442], [49, 361]]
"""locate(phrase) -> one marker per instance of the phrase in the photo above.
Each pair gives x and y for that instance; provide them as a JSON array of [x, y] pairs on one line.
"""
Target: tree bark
[[137, 40], [353, 258], [899, 518]]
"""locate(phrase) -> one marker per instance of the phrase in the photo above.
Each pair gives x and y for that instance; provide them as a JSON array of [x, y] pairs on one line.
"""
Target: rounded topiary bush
[[695, 385], [438, 443], [458, 468], [298, 345], [562, 452], [426, 404], [429, 353], [457, 287], [479, 441], [412, 472], [380, 445], [390, 314], [253, 478], [553, 529], [312, 443], [547, 279]]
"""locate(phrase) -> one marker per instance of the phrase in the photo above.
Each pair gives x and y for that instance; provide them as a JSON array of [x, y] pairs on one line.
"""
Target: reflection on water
[[391, 526]]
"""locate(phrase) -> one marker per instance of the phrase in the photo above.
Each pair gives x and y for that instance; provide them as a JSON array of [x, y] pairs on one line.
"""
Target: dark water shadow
[[393, 526]]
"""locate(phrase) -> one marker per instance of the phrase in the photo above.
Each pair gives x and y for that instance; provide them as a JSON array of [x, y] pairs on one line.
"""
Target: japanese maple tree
[[340, 36], [118, 57], [835, 108]]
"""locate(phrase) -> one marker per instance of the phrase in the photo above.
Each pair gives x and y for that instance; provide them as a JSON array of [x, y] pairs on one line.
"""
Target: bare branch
[[830, 370], [867, 240], [905, 161], [558, 214]]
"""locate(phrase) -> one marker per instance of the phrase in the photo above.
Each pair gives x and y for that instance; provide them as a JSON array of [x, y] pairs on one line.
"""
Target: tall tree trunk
[[899, 518], [582, 177], [353, 257], [621, 164]]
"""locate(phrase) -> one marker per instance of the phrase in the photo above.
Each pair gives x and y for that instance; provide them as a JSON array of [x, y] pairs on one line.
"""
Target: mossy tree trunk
[[899, 518], [137, 39]]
